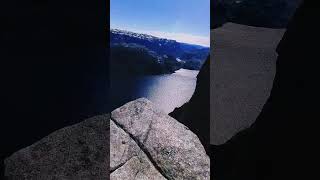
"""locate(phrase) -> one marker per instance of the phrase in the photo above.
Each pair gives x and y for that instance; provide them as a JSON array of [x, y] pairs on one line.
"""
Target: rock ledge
[[145, 143]]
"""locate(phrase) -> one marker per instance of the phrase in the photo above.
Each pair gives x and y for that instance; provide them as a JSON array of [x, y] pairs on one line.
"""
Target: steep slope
[[133, 59], [195, 114]]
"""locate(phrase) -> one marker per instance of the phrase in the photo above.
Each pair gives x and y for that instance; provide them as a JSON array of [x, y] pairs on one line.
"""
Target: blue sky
[[182, 20]]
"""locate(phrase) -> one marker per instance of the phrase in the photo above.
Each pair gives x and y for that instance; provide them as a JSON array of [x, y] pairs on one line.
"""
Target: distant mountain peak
[[139, 35]]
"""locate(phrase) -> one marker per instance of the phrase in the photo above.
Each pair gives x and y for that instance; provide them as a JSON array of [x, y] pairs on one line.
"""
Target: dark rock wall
[[54, 69]]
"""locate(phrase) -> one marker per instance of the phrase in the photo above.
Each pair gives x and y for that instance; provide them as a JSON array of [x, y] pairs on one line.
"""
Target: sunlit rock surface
[[173, 150], [136, 142]]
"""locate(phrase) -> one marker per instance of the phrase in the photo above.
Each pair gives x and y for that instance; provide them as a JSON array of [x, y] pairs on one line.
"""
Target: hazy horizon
[[186, 21], [171, 36]]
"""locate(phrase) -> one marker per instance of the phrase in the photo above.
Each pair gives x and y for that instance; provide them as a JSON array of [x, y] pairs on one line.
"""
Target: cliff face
[[280, 144], [195, 114], [263, 13]]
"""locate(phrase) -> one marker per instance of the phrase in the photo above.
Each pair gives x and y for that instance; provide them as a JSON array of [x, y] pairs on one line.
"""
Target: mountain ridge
[[157, 55], [148, 36]]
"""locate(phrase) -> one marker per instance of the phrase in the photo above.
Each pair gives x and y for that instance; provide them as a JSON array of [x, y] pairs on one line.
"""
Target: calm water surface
[[166, 91]]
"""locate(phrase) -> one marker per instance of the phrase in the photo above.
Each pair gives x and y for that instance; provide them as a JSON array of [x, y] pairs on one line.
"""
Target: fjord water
[[166, 91]]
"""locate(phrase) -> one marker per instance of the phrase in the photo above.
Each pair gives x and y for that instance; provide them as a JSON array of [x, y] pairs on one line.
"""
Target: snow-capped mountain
[[139, 35], [161, 46]]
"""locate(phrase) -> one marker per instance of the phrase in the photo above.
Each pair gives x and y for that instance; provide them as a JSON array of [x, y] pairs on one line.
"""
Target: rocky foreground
[[145, 143]]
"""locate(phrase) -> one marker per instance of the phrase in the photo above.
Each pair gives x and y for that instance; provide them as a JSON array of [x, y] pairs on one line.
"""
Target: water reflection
[[166, 91]]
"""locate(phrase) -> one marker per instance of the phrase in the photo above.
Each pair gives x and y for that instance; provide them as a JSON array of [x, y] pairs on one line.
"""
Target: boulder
[[158, 140]]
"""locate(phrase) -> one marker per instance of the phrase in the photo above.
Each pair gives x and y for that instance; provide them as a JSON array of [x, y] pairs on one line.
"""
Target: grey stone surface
[[127, 160], [242, 72], [145, 144], [78, 152], [137, 168], [171, 147], [122, 147]]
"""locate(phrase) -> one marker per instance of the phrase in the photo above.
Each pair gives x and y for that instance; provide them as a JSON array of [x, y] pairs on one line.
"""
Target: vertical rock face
[[195, 114], [156, 140], [80, 151]]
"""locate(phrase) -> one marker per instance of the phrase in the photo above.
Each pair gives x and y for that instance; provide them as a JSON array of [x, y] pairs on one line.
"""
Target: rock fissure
[[143, 149], [148, 132], [135, 176], [121, 164]]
